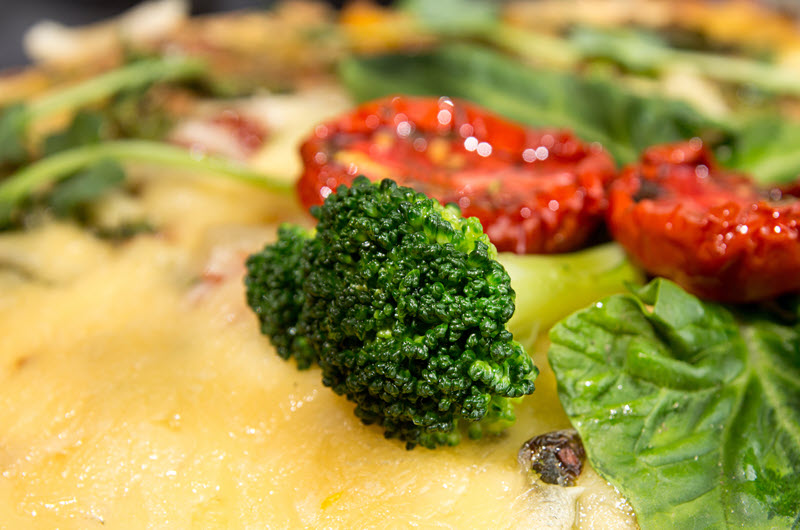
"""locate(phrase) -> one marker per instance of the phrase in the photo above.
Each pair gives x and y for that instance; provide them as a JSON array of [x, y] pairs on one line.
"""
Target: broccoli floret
[[275, 292], [403, 305]]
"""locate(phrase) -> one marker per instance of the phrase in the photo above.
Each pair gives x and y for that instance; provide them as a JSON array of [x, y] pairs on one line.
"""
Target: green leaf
[[86, 128], [596, 109], [691, 412], [70, 196], [124, 231], [7, 215], [136, 114], [13, 126]]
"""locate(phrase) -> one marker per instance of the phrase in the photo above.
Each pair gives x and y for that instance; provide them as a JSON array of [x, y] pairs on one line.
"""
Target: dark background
[[19, 15]]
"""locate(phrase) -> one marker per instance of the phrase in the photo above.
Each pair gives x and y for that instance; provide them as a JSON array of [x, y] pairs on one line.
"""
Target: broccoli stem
[[550, 287], [54, 168], [134, 75]]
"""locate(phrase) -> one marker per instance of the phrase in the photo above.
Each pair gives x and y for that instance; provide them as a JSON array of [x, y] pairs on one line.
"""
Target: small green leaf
[[13, 127], [124, 231], [137, 114], [6, 215], [70, 195], [86, 128], [34, 180], [689, 410]]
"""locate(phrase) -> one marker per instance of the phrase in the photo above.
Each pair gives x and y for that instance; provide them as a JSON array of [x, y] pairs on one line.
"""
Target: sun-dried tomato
[[534, 190], [712, 231]]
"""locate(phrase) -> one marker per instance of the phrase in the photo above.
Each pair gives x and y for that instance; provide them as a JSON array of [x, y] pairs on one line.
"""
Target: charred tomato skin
[[712, 231], [534, 190]]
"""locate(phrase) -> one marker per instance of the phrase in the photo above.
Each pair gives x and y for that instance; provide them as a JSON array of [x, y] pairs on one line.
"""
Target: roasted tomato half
[[534, 190], [712, 231]]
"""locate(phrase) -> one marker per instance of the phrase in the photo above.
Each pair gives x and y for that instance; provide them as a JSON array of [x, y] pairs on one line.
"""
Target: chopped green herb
[[70, 196], [15, 120], [39, 177]]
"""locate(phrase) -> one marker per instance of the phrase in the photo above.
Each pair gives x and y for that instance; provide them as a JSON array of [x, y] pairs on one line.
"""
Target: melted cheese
[[140, 392], [136, 391]]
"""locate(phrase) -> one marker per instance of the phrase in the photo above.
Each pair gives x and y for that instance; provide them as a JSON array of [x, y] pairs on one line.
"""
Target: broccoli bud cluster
[[404, 307]]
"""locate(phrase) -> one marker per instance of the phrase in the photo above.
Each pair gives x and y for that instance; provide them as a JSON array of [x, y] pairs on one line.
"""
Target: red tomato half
[[713, 232], [534, 191]]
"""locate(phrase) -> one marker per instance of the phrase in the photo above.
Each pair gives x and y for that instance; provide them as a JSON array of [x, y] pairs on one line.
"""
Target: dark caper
[[557, 457]]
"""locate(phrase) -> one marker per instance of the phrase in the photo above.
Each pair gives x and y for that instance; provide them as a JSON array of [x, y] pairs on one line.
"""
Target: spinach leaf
[[691, 411], [595, 108]]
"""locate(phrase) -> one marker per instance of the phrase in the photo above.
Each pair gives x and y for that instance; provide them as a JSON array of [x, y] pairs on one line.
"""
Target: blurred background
[[19, 15]]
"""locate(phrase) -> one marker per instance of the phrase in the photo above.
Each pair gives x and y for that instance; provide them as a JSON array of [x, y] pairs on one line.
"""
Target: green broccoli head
[[274, 282], [403, 305]]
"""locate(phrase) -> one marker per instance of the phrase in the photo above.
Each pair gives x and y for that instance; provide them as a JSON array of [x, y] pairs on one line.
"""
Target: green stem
[[766, 76], [134, 75], [557, 285], [54, 168], [634, 52]]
